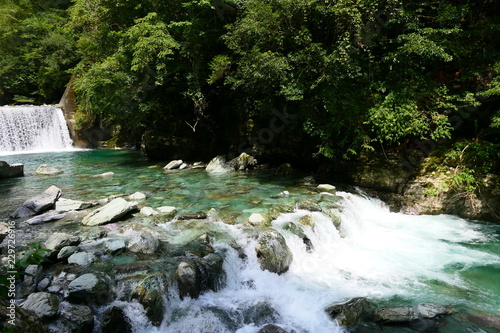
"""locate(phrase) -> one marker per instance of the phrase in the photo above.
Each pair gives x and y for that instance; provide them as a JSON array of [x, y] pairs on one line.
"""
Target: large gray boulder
[[111, 212], [48, 170], [11, 170], [273, 253], [194, 276], [397, 314], [38, 204], [219, 164], [23, 321], [143, 242], [44, 305], [89, 288]]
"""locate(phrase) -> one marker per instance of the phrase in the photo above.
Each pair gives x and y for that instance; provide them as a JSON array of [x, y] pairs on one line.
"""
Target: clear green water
[[391, 258]]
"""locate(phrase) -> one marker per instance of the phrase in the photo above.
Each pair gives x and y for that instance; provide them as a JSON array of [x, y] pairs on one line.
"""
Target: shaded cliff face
[[408, 183]]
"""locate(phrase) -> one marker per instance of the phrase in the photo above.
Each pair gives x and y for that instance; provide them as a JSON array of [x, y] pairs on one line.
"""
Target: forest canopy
[[355, 74]]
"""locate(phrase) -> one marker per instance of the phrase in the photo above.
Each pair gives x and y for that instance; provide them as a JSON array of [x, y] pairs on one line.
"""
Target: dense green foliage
[[356, 74]]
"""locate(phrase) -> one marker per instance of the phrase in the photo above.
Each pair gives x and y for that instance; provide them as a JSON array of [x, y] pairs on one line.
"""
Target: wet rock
[[284, 169], [75, 318], [195, 276], [148, 211], [326, 188], [308, 220], [115, 245], [104, 175], [44, 305], [148, 292], [260, 314], [47, 170], [195, 216], [38, 204], [115, 320], [137, 196], [112, 211], [350, 313], [90, 288], [66, 251], [395, 314], [175, 164], [82, 258], [11, 170], [299, 232], [271, 328], [66, 205], [309, 204], [143, 242], [198, 165], [59, 240], [258, 220], [272, 252], [4, 230], [334, 215], [47, 217], [24, 321], [188, 279], [183, 166]]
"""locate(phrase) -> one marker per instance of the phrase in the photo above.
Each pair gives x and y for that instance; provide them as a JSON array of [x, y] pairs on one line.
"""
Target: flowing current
[[33, 129], [376, 254]]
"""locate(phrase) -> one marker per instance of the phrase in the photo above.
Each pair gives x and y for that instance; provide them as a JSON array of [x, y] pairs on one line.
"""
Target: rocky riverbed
[[124, 263]]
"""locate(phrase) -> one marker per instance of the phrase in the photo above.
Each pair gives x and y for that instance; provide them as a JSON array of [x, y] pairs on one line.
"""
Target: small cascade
[[31, 128]]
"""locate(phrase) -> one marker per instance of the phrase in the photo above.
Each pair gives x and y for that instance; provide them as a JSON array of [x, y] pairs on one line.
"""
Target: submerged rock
[[271, 328], [272, 252], [47, 170], [104, 175], [115, 245], [395, 314], [44, 305], [112, 211], [195, 216], [309, 204], [350, 313], [38, 204]]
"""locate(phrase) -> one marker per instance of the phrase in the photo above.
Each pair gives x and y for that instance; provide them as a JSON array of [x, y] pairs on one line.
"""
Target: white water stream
[[32, 128], [376, 254]]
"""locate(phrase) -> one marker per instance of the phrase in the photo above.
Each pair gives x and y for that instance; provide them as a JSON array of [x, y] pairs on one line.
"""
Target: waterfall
[[30, 128]]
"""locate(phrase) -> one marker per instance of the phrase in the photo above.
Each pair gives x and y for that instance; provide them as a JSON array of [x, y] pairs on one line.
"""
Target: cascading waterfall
[[33, 129], [375, 254]]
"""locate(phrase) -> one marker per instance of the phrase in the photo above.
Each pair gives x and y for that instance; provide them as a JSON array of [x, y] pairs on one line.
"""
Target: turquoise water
[[388, 257]]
